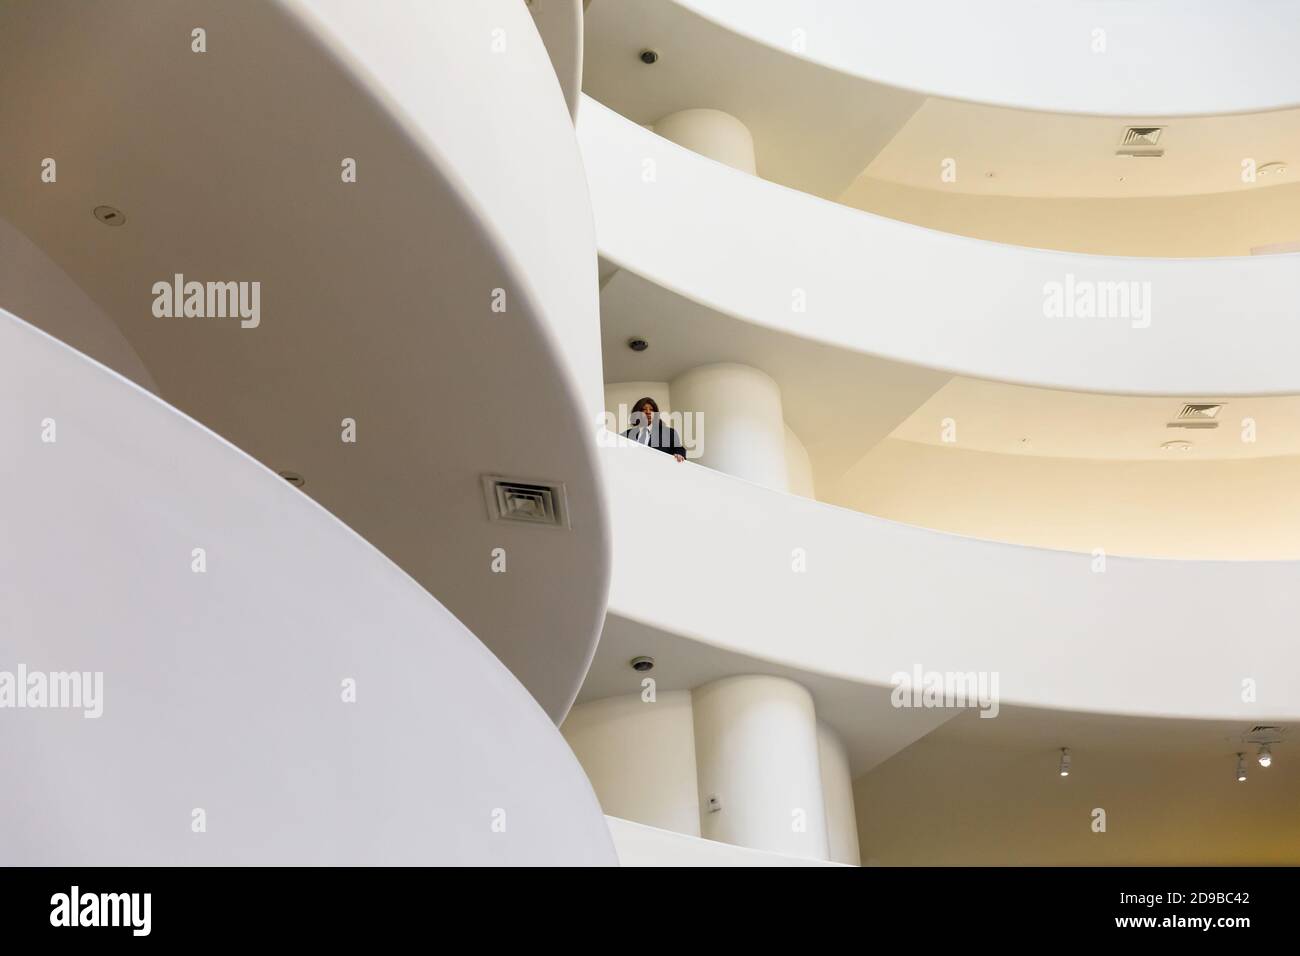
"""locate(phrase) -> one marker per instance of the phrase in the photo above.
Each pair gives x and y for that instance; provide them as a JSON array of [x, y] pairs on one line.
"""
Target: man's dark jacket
[[662, 436]]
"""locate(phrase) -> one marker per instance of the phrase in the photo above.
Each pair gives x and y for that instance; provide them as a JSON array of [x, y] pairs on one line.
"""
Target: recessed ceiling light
[[638, 344], [293, 478], [1277, 168], [109, 216], [1176, 446], [642, 663], [649, 57]]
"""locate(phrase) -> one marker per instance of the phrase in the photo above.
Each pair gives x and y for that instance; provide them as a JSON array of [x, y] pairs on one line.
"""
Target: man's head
[[644, 412]]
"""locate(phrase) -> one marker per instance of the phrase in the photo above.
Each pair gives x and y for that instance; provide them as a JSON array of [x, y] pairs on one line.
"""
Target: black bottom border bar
[[374, 905]]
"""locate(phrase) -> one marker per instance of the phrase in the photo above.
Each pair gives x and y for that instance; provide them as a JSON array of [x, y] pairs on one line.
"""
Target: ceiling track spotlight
[[1065, 762], [1241, 768], [1265, 755]]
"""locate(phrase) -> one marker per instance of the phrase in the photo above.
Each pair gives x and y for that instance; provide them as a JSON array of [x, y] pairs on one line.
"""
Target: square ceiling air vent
[[1141, 136], [1198, 415], [1141, 142], [527, 502]]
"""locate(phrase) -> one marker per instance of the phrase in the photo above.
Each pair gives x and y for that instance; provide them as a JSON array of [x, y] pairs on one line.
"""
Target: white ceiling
[[814, 129], [842, 404], [1010, 152], [988, 792], [1018, 420]]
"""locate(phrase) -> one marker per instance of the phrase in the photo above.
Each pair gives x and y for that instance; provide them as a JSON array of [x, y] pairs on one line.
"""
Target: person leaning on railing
[[649, 429]]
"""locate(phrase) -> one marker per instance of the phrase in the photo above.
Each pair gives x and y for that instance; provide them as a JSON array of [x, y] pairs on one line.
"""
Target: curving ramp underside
[[258, 685], [399, 181]]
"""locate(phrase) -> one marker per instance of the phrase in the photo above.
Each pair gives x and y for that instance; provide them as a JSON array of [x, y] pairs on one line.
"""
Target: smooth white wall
[[711, 133], [837, 790], [737, 411], [533, 200], [756, 749], [640, 757]]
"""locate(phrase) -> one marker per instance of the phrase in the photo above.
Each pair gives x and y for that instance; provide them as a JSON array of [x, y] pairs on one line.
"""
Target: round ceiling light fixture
[[649, 57], [109, 216]]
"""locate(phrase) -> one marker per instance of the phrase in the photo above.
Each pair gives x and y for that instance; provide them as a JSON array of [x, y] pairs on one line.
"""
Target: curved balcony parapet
[[1107, 57], [836, 592], [767, 254]]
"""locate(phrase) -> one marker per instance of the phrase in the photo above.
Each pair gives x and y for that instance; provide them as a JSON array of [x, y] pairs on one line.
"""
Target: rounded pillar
[[757, 763], [712, 133], [837, 788], [736, 421], [638, 751]]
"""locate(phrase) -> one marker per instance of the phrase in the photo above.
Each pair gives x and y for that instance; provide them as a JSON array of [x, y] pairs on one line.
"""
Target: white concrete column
[[711, 133], [736, 423], [756, 753], [639, 755], [837, 789]]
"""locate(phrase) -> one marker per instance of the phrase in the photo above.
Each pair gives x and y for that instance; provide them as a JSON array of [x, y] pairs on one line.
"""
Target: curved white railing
[[1111, 57], [780, 258], [254, 683], [832, 591]]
